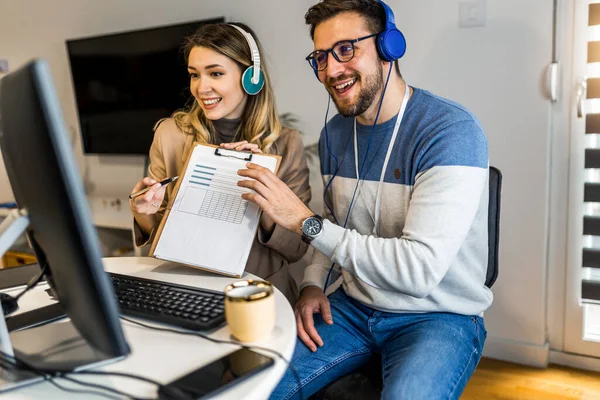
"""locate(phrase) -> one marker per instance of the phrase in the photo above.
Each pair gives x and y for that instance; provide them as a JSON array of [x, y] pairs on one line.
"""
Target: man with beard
[[406, 195]]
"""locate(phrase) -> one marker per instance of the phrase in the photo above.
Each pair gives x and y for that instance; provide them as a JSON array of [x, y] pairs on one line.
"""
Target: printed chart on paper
[[212, 193]]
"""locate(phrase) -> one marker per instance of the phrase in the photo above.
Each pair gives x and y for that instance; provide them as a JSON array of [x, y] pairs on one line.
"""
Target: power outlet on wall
[[114, 204], [471, 14], [110, 212]]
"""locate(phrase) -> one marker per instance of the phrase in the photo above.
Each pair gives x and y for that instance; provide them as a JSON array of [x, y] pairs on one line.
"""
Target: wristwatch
[[312, 227]]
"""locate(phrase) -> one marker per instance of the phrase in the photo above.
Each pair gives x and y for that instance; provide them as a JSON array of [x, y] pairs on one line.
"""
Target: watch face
[[312, 227]]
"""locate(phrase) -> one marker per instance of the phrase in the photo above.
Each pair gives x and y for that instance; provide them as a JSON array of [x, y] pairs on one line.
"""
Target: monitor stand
[[52, 347]]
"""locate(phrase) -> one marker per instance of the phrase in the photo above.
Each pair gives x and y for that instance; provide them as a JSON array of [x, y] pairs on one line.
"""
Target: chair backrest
[[493, 225]]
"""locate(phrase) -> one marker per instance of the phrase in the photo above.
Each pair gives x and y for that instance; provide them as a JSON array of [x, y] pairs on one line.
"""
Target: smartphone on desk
[[217, 376]]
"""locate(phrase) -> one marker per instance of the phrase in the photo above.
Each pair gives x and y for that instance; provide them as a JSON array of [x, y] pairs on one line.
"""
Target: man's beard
[[371, 86]]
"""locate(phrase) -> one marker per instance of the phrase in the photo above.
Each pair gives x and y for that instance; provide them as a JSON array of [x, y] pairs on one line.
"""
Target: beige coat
[[269, 257]]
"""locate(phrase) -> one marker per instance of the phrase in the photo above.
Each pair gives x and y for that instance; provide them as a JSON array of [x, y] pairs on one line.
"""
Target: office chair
[[365, 383]]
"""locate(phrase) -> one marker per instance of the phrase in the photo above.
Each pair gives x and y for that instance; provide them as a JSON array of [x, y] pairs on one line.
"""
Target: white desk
[[165, 356]]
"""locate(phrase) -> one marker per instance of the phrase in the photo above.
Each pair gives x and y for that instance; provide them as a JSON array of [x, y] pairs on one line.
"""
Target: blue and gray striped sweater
[[430, 254]]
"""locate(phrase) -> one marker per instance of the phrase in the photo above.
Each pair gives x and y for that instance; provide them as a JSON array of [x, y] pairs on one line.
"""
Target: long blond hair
[[260, 121]]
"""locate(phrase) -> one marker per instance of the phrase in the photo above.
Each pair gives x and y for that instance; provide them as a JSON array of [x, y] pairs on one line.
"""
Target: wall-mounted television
[[125, 82]]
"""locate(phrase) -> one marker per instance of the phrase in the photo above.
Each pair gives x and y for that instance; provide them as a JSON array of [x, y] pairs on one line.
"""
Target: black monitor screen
[[44, 178], [124, 83]]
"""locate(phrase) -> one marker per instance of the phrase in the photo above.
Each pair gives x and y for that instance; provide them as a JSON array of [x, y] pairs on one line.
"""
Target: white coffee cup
[[250, 309]]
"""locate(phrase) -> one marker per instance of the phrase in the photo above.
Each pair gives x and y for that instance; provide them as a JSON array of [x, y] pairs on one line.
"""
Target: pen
[[162, 183]]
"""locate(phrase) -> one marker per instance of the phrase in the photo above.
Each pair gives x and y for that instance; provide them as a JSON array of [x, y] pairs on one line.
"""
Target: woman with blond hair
[[233, 107]]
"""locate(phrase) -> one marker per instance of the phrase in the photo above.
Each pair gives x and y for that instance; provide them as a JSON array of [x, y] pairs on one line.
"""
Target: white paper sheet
[[210, 225]]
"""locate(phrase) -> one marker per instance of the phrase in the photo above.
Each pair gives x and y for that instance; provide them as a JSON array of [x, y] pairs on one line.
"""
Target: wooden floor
[[500, 380]]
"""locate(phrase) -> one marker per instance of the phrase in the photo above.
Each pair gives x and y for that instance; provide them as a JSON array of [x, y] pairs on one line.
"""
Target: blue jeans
[[424, 356]]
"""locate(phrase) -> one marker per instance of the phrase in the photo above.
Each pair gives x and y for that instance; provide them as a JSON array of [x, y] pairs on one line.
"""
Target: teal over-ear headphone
[[253, 78]]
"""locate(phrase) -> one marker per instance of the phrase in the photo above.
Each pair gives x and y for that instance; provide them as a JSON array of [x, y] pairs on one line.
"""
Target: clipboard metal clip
[[240, 155]]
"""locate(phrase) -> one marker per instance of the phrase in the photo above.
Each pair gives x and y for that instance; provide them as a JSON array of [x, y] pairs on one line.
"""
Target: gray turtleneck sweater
[[226, 130]]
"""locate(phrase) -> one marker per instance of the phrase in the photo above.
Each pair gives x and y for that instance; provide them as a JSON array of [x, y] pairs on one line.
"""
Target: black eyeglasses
[[343, 51]]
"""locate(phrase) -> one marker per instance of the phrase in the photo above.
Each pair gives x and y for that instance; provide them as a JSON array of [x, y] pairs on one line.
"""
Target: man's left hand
[[275, 198]]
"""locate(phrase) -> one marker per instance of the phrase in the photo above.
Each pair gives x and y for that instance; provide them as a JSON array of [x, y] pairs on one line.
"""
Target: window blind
[[590, 286]]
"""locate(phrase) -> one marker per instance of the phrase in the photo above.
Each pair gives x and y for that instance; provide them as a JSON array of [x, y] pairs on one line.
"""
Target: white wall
[[496, 71]]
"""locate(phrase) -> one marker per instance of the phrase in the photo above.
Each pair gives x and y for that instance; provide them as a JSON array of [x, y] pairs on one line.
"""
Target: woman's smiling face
[[215, 82]]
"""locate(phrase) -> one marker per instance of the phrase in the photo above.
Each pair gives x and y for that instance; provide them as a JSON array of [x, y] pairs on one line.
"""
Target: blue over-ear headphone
[[391, 43], [253, 78]]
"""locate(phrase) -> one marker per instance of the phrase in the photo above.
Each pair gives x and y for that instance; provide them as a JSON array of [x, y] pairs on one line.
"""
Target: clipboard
[[207, 225], [240, 155]]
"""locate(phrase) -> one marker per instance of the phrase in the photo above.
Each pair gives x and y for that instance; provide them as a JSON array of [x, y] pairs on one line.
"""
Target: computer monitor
[[46, 183]]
